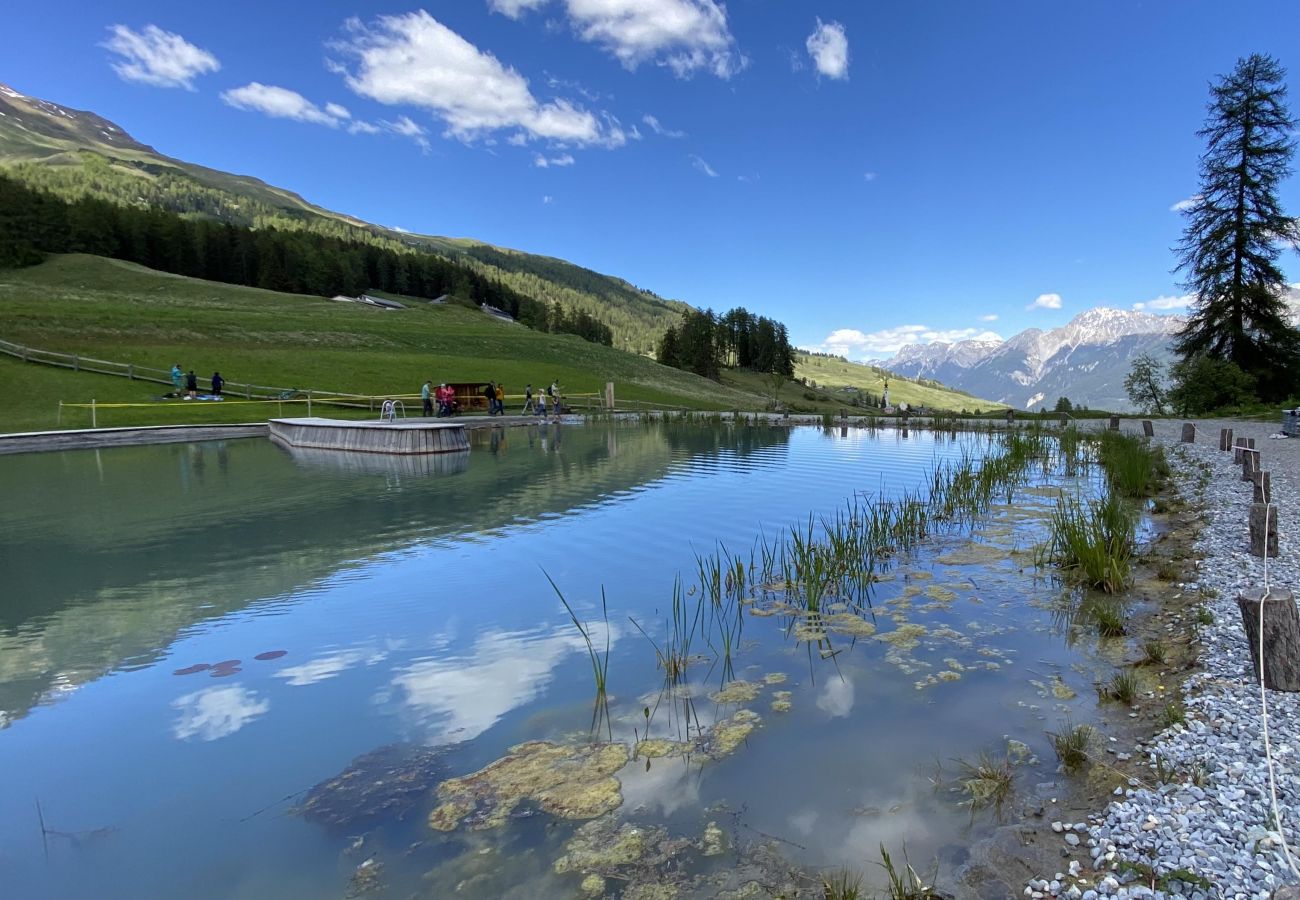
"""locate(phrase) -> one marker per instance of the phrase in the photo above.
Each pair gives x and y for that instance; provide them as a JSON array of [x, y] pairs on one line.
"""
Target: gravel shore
[[1218, 825]]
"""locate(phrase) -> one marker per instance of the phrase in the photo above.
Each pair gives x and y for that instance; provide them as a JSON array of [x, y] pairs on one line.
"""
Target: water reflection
[[410, 465], [214, 713]]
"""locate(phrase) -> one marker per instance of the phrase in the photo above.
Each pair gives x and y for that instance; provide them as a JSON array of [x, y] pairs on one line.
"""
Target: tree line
[[705, 344], [1238, 347], [35, 222], [636, 316]]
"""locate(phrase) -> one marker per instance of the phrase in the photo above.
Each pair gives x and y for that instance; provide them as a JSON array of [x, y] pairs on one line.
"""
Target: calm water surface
[[404, 602]]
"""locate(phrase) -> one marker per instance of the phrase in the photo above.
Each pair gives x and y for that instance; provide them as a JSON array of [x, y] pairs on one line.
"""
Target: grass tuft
[[1071, 744], [1124, 687]]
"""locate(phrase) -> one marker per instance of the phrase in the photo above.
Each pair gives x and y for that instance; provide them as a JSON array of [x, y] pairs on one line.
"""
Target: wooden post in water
[[1263, 489], [1263, 529], [1114, 423], [1011, 416], [1189, 433], [1148, 429], [309, 404], [609, 395], [1225, 439], [94, 422], [1237, 448], [1280, 664]]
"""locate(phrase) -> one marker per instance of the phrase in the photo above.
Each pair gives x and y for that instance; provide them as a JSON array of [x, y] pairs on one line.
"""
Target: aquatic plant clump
[[387, 781], [569, 782], [1093, 541]]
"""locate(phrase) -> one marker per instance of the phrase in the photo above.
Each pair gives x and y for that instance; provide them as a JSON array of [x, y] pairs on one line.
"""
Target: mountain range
[[1085, 360]]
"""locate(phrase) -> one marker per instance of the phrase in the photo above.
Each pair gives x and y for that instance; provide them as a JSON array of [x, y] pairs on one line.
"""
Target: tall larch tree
[[1235, 229]]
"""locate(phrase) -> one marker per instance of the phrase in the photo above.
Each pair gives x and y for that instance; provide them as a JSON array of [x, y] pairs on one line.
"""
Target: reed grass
[[1154, 653], [1093, 541], [1071, 744], [842, 884], [1124, 687], [907, 884], [1133, 468], [599, 661], [1173, 713], [987, 781]]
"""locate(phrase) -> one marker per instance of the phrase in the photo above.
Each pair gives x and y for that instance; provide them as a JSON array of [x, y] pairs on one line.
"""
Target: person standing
[[501, 399], [554, 391], [425, 398], [528, 399], [541, 404], [191, 386], [177, 375], [217, 383], [490, 392]]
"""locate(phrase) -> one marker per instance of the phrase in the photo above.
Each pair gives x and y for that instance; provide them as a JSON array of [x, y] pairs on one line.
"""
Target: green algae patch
[[728, 734], [918, 575], [714, 843], [737, 691], [940, 593], [774, 678], [592, 886], [570, 782], [850, 624], [602, 846], [905, 637], [652, 892], [781, 701], [1061, 690], [810, 632], [948, 675], [657, 748], [974, 554]]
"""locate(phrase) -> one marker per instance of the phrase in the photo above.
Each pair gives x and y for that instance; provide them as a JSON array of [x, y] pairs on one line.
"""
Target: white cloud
[[1046, 301], [157, 57], [415, 59], [403, 126], [360, 127], [701, 166], [828, 46], [686, 36], [515, 8], [869, 176], [1186, 204], [542, 162], [282, 103], [991, 317], [329, 665], [1166, 303], [847, 342], [215, 713], [659, 129], [547, 200]]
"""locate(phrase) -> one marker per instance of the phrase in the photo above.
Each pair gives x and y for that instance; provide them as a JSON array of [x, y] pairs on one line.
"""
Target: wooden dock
[[403, 436]]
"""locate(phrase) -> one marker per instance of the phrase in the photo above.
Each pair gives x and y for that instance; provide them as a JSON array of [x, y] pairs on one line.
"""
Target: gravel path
[[1221, 829]]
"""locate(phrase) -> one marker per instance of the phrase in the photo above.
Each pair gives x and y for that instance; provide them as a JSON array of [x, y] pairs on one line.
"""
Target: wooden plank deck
[[403, 436]]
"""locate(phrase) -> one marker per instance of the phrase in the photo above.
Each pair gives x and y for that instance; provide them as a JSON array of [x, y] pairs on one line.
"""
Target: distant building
[[498, 313]]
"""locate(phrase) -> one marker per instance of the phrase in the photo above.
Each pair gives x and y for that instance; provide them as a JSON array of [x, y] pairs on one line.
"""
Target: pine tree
[[1231, 243]]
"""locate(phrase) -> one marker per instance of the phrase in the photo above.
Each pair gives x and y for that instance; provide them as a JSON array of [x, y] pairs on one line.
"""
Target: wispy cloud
[[515, 8], [848, 342], [282, 103], [157, 57], [1182, 205], [543, 162], [657, 127], [547, 200], [1164, 304], [1046, 301], [414, 59], [701, 166], [828, 46], [869, 176], [991, 317], [404, 126]]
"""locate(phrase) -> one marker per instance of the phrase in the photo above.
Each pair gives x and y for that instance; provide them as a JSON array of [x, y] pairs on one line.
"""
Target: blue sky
[[873, 171]]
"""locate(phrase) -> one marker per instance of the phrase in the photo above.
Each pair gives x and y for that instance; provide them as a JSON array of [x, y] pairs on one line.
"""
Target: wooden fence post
[[1263, 489], [1148, 429], [1237, 448], [1281, 635], [1249, 464], [1189, 433], [1263, 529], [1225, 439], [94, 422], [1114, 423], [130, 372]]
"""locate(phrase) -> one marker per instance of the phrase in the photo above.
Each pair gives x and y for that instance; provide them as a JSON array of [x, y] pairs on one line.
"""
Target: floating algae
[[367, 878], [571, 782], [713, 844], [850, 624], [1061, 690], [656, 748], [737, 691], [781, 701], [974, 554], [940, 593], [387, 781], [774, 678], [592, 886], [603, 846], [947, 675], [905, 637], [918, 575], [812, 632], [728, 734]]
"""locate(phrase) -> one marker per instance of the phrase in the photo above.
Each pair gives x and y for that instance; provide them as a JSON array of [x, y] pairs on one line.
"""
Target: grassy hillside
[[74, 153], [836, 373], [118, 311]]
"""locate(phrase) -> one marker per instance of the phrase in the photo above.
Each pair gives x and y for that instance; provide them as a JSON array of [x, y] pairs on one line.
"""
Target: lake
[[197, 641]]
